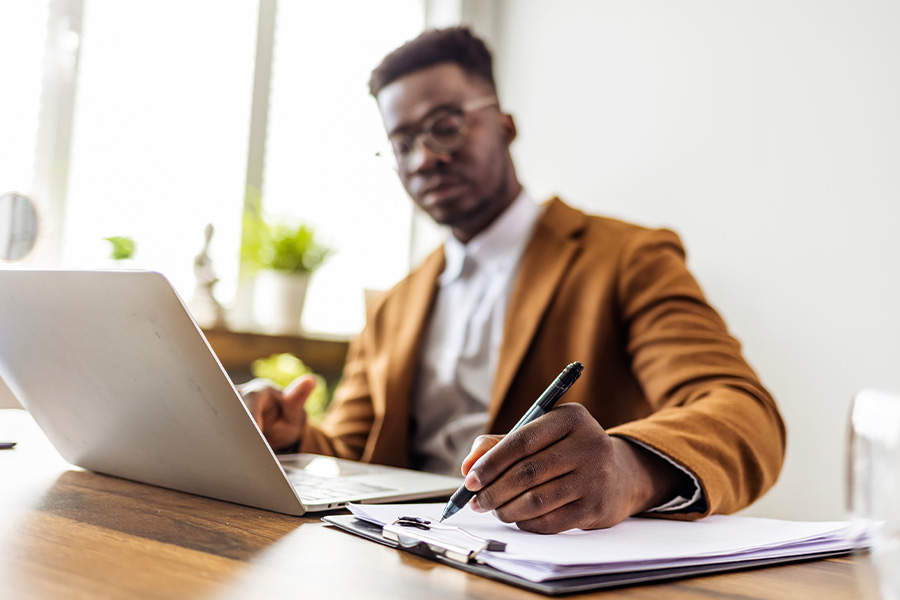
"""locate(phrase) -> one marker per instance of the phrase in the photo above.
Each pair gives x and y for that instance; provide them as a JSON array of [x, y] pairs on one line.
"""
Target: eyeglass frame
[[423, 132]]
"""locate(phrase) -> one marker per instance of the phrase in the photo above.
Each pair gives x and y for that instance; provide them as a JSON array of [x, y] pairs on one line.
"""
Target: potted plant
[[284, 253]]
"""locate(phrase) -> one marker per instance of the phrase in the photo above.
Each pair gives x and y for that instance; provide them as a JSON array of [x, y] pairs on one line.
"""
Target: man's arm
[[710, 415], [348, 422]]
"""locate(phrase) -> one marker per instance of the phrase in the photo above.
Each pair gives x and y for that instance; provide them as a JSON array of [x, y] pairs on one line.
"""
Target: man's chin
[[442, 217], [446, 196], [445, 208]]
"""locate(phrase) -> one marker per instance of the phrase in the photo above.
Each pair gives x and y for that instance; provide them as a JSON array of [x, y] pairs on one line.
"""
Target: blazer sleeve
[[710, 413], [349, 419]]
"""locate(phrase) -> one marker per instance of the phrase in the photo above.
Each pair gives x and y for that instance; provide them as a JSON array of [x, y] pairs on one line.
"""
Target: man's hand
[[281, 415], [563, 471]]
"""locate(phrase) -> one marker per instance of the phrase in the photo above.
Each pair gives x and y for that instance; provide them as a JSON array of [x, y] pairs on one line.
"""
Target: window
[[161, 129], [160, 134], [324, 132], [23, 24]]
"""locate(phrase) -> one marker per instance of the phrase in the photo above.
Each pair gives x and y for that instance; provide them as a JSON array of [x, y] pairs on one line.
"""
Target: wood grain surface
[[69, 533]]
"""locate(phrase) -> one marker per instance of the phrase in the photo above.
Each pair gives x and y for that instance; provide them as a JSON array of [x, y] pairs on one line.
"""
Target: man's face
[[464, 189]]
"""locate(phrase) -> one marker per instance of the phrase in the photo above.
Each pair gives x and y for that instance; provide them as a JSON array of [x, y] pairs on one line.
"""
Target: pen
[[541, 406], [6, 445]]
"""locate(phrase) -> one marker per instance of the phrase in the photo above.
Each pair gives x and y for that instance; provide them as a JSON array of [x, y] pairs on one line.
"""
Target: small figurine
[[205, 308]]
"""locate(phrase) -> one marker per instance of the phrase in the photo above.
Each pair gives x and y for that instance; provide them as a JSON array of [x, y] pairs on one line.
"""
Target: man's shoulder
[[569, 221]]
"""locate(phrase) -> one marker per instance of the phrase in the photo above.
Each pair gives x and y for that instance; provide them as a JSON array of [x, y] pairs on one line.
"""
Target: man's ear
[[508, 125]]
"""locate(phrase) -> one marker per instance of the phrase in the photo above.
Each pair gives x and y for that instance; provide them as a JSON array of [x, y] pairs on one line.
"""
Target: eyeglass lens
[[446, 133]]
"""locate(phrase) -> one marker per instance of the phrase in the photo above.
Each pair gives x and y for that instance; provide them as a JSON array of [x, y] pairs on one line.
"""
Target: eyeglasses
[[444, 131]]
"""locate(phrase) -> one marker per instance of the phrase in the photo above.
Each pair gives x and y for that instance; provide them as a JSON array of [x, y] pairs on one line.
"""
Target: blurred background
[[765, 133]]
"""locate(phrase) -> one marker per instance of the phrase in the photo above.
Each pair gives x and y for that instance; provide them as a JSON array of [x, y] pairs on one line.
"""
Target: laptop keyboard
[[314, 488]]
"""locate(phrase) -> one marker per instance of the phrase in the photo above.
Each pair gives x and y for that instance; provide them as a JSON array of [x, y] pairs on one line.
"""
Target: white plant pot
[[278, 300]]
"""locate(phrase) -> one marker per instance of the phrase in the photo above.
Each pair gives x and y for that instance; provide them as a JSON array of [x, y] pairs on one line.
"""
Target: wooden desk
[[69, 533]]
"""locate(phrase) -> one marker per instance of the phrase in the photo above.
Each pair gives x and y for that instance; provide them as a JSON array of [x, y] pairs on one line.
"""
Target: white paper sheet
[[635, 544]]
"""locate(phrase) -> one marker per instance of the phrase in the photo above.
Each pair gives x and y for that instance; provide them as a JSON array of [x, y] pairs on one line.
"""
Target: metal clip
[[411, 531]]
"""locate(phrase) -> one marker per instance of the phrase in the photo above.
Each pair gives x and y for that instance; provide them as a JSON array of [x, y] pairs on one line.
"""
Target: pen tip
[[441, 520]]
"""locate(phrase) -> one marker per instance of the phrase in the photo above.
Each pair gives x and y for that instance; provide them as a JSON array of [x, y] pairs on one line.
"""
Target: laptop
[[122, 381]]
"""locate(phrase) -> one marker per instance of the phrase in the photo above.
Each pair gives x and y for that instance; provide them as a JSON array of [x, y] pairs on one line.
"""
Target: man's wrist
[[654, 480]]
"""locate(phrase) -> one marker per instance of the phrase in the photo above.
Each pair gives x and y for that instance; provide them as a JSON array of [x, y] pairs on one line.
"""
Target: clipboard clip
[[410, 532]]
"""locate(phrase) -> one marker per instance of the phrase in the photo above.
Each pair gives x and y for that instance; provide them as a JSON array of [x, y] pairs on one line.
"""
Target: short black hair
[[455, 45]]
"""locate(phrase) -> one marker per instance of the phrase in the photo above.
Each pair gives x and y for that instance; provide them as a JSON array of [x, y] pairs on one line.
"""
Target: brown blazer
[[659, 364]]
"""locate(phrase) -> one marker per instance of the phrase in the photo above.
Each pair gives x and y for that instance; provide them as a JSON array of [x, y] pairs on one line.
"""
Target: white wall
[[766, 133], [7, 398]]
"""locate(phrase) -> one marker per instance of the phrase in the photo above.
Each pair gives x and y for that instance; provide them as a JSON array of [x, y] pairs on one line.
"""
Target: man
[[667, 416]]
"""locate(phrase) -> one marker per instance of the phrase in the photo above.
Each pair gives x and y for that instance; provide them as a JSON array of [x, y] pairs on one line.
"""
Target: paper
[[636, 544]]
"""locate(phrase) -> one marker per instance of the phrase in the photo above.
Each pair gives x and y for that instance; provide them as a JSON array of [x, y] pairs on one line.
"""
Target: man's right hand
[[280, 414]]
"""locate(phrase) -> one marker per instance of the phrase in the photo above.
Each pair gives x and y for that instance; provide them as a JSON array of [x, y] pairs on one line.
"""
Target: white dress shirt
[[459, 355]]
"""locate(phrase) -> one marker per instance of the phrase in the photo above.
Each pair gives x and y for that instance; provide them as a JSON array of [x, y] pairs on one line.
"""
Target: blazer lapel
[[410, 321], [553, 246]]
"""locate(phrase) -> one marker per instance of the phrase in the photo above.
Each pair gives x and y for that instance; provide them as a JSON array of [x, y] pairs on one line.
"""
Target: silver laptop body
[[122, 381]]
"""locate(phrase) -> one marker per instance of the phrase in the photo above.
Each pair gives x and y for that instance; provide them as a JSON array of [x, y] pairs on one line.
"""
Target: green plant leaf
[[282, 245], [122, 247]]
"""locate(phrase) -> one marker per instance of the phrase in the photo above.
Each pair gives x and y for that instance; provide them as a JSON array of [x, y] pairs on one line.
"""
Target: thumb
[[480, 446], [296, 394]]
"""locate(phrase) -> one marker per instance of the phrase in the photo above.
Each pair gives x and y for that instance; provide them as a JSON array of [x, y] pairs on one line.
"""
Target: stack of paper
[[634, 545]]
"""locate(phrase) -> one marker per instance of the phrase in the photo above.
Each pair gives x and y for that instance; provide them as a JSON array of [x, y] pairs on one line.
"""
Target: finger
[[519, 444], [251, 391], [525, 475], [573, 515], [256, 385], [539, 500], [480, 446], [295, 396], [265, 407]]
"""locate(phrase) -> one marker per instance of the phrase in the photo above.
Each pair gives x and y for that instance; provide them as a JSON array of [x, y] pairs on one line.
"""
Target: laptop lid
[[122, 381]]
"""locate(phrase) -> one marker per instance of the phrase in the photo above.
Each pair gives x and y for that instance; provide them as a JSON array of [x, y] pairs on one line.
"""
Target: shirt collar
[[499, 246]]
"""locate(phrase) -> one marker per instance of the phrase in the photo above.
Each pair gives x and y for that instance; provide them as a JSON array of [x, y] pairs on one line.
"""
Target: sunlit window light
[[324, 132], [161, 131], [23, 25]]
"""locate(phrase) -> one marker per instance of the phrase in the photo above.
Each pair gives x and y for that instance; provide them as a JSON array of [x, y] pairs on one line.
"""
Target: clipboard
[[419, 543]]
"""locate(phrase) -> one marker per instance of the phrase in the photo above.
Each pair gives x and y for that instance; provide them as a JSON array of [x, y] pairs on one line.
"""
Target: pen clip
[[413, 531]]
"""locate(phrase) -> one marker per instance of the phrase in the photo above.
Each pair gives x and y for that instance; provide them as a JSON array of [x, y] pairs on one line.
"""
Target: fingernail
[[473, 504], [473, 484]]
